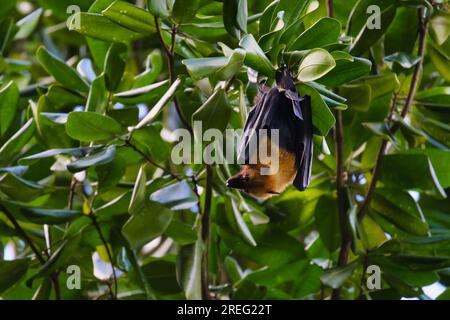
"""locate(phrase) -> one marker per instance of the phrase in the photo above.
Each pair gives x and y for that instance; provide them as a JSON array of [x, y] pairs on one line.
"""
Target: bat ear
[[237, 182]]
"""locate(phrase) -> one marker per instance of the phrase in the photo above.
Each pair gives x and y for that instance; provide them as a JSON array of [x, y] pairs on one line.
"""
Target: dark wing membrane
[[303, 176], [260, 117]]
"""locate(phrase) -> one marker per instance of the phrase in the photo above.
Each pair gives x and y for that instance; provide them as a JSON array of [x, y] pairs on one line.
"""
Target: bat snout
[[237, 182]]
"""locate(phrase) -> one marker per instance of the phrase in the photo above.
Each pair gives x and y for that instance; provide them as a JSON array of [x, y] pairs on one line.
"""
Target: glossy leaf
[[147, 224], [314, 65], [60, 70], [255, 58], [9, 99], [90, 126]]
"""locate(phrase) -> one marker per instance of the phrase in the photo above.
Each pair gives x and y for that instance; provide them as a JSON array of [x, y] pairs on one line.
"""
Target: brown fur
[[265, 186]]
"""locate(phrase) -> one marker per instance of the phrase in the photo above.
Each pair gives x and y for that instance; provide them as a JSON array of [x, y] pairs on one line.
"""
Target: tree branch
[[423, 30], [171, 66], [113, 294], [206, 222], [36, 251]]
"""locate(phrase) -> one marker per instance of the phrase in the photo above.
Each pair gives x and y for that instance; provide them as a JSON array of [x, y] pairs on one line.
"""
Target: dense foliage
[[92, 91]]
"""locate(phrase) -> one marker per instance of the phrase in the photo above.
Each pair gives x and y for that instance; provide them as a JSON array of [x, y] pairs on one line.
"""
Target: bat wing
[[305, 134], [285, 110], [260, 117]]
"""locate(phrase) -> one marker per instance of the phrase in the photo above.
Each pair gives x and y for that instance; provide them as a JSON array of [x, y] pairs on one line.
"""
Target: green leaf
[[111, 173], [100, 27], [410, 171], [59, 97], [76, 152], [147, 224], [20, 189], [440, 160], [381, 129], [359, 96], [314, 65], [62, 73], [49, 216], [400, 218], [438, 97], [11, 272], [440, 61], [148, 94], [13, 146], [98, 96], [154, 66], [323, 119], [138, 197], [242, 226], [90, 126], [327, 222], [233, 269], [381, 84], [221, 67], [336, 277], [181, 233], [160, 8], [178, 196], [130, 17], [148, 140], [184, 10], [158, 107], [275, 248], [214, 113], [189, 267], [127, 116], [404, 60], [361, 26], [7, 31], [114, 65], [161, 275], [346, 71], [324, 32], [28, 24], [255, 58], [9, 99], [440, 26], [434, 246], [53, 262], [59, 7], [96, 159], [7, 7], [235, 17]]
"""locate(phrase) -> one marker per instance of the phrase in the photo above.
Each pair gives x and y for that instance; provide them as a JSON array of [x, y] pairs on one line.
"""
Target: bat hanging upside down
[[284, 115]]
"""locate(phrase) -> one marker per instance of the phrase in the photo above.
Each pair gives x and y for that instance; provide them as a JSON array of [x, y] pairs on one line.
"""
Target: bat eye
[[245, 178]]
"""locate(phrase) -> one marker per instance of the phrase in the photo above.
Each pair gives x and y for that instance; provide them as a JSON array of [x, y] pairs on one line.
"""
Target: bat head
[[284, 79], [252, 182]]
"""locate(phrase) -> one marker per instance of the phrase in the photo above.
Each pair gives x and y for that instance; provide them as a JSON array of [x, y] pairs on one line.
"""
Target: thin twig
[[73, 185], [36, 251], [170, 52], [206, 223], [150, 160], [113, 294]]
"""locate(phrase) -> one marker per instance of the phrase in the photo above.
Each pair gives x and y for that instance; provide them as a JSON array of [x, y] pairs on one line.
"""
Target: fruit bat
[[280, 108]]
